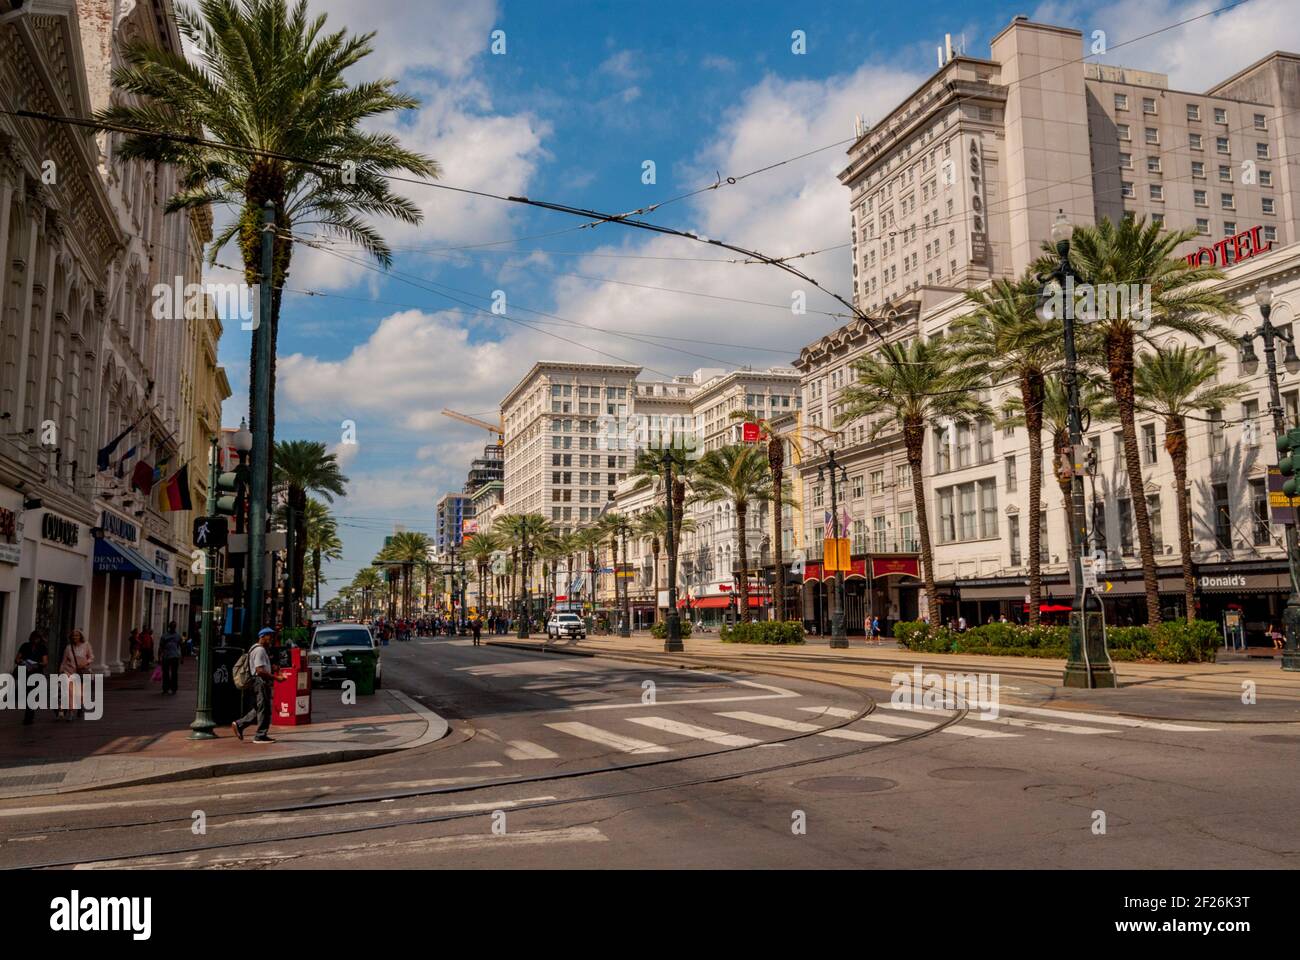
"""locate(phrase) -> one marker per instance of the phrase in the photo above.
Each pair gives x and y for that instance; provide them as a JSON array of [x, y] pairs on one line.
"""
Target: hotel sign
[[1230, 250]]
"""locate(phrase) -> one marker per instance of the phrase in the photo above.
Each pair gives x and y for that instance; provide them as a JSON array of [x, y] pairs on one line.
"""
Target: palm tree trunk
[[1031, 394], [914, 441], [742, 550], [1176, 444], [776, 460], [1119, 361]]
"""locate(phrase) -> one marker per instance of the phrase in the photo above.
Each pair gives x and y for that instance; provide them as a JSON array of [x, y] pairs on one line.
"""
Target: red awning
[[717, 603], [1053, 608]]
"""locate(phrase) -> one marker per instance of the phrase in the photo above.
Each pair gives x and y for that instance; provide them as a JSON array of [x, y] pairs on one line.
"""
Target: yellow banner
[[836, 552]]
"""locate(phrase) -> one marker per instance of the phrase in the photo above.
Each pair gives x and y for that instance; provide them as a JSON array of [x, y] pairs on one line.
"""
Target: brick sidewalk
[[143, 737]]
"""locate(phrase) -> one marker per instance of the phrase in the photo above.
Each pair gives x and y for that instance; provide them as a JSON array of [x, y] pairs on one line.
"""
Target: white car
[[331, 641], [566, 625]]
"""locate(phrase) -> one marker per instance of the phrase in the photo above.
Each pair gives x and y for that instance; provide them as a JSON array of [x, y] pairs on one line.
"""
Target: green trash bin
[[361, 669]]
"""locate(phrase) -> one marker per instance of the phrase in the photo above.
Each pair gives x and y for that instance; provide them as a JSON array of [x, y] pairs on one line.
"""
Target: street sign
[[750, 433], [210, 533], [1089, 577]]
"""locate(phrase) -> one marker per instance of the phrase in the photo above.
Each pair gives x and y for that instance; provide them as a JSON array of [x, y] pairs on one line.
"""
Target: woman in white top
[[77, 658]]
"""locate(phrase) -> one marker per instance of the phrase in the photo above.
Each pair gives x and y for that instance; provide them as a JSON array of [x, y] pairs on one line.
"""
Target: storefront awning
[[717, 603], [118, 558]]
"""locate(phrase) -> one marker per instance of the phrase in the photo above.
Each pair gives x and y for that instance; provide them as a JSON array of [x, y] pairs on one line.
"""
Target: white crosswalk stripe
[[781, 723], [527, 750], [697, 733], [876, 717], [1113, 720], [606, 738]]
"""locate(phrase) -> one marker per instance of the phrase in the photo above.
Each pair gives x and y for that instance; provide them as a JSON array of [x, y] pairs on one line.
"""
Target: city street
[[560, 761]]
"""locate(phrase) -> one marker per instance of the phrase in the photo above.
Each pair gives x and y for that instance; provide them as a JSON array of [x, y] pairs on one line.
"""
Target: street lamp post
[[243, 443], [672, 624], [839, 639], [1089, 663], [523, 578], [1270, 334], [203, 724], [625, 617]]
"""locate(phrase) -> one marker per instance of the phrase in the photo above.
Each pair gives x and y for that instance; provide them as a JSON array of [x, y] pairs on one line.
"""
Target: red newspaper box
[[291, 692]]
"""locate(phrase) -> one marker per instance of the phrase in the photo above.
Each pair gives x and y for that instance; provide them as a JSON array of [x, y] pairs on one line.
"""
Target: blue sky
[[584, 95]]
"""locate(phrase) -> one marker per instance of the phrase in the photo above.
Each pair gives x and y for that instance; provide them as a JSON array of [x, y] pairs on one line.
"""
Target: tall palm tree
[[321, 540], [648, 470], [303, 467], [915, 382], [589, 540], [522, 529], [367, 582], [741, 475], [652, 523], [1006, 340], [406, 550], [613, 526], [478, 551], [267, 116], [1134, 252], [1172, 383]]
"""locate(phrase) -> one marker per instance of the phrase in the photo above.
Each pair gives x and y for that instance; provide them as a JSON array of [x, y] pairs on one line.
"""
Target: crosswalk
[[657, 734]]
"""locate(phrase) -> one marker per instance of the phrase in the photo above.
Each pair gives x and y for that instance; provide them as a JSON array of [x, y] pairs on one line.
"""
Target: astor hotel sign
[[1230, 250]]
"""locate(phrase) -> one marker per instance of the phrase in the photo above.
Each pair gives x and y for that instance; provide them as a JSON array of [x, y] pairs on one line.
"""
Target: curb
[[435, 729]]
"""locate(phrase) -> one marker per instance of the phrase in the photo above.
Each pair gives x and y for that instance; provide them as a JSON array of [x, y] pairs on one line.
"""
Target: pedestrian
[[133, 647], [961, 624], [77, 658], [34, 655], [259, 665], [145, 641], [875, 630], [477, 628], [1275, 635], [169, 652]]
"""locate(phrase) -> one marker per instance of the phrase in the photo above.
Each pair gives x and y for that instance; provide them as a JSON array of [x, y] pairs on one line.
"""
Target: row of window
[[587, 460], [1151, 109], [1195, 141]]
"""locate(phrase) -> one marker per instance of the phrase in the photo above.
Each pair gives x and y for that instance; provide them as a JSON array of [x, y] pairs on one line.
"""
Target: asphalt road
[[718, 770]]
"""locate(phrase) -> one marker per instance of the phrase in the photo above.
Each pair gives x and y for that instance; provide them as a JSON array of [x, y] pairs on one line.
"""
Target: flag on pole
[[142, 477], [121, 464], [827, 527], [105, 456], [174, 492]]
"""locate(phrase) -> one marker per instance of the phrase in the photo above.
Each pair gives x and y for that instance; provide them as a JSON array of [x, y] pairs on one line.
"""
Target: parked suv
[[331, 641], [566, 625]]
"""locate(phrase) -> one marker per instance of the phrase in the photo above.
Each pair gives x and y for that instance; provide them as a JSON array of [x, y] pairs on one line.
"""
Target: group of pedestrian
[[34, 656]]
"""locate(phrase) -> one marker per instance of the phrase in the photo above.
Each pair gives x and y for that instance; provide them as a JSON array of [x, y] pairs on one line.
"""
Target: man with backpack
[[254, 669]]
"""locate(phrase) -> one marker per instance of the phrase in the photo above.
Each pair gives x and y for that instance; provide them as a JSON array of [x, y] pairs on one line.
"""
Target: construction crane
[[498, 428]]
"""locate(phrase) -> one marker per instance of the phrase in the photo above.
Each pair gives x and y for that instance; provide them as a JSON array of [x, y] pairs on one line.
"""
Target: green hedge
[[660, 630], [764, 631], [1176, 641]]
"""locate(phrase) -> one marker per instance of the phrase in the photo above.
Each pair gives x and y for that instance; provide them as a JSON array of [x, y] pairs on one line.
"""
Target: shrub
[[764, 631], [1174, 642], [660, 630]]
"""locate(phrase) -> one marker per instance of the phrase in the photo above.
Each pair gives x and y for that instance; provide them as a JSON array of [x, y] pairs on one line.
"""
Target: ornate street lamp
[[839, 639]]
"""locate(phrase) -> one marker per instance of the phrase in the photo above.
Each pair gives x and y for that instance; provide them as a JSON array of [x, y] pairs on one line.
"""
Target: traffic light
[[210, 533], [232, 490], [1288, 445]]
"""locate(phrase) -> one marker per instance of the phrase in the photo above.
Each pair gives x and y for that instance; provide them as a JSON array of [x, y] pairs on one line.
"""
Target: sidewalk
[[1210, 692], [142, 737]]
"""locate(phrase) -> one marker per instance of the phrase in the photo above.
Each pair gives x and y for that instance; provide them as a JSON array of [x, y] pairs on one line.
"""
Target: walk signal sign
[[210, 533]]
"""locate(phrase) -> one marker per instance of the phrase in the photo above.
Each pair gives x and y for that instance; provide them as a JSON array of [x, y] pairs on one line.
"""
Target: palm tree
[[589, 539], [613, 526], [741, 475], [915, 382], [653, 524], [1129, 253], [1172, 383], [302, 467], [479, 550], [649, 471], [1006, 340], [367, 581], [527, 531], [321, 539], [264, 115], [406, 550]]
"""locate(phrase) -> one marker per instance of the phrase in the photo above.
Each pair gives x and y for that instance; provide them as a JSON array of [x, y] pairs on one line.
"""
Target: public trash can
[[227, 699], [361, 669]]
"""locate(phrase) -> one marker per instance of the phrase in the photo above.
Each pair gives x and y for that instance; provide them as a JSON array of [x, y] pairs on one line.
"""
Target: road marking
[[697, 733], [774, 693], [906, 722], [316, 817], [606, 738], [779, 722], [831, 712], [1117, 721], [527, 750], [1040, 725]]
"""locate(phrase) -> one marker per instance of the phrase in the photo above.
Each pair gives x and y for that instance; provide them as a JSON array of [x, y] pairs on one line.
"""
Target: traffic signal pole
[[203, 724], [261, 414]]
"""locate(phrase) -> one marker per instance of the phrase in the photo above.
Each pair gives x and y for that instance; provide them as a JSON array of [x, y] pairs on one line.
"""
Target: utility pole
[[672, 624], [839, 638], [523, 584], [203, 724], [261, 414]]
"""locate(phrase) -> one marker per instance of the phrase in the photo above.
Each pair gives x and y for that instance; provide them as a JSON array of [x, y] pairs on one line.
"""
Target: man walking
[[169, 653], [259, 665], [477, 627]]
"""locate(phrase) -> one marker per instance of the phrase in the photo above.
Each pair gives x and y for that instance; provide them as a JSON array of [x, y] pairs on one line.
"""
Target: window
[[1126, 189], [1123, 131], [988, 508], [1270, 234], [1198, 169], [819, 496], [1218, 438], [857, 487], [963, 445], [1266, 178], [1153, 515], [1229, 228], [1267, 204], [1194, 141], [1259, 509], [1158, 219], [878, 534], [1291, 401], [1225, 173], [1202, 225], [1261, 151], [967, 512], [984, 437], [1200, 198], [1260, 122], [1149, 448], [1126, 161], [1221, 145], [1010, 474], [1121, 101], [947, 530], [1220, 115], [1013, 534], [1152, 135], [1153, 164], [1149, 105], [1157, 191], [1222, 517], [877, 483], [1193, 111], [1125, 526], [1249, 428], [1227, 202], [1098, 525], [907, 531]]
